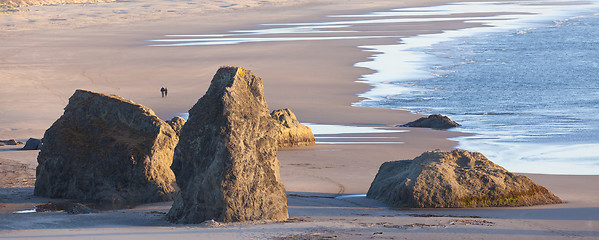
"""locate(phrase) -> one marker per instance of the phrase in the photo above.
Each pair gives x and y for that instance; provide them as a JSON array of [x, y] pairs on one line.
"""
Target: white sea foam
[[410, 59], [26, 211], [502, 16], [516, 149], [576, 159], [230, 41], [351, 196], [321, 129], [356, 143], [183, 115]]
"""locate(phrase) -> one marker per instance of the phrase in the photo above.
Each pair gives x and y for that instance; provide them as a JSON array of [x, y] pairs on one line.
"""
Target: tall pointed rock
[[225, 163]]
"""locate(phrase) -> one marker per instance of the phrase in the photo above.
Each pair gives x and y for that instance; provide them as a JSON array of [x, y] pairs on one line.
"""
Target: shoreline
[[315, 79], [418, 64], [349, 95]]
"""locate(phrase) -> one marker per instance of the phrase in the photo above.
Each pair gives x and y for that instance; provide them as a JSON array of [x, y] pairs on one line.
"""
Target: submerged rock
[[458, 178], [435, 121], [108, 150], [292, 132], [33, 144], [225, 162]]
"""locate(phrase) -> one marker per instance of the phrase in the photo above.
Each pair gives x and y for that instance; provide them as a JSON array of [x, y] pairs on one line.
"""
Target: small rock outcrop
[[176, 123], [435, 121], [9, 142], [225, 163], [69, 207], [108, 150], [33, 144], [454, 179], [292, 132]]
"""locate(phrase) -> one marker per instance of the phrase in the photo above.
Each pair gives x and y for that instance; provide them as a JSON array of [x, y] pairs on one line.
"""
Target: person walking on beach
[[163, 91]]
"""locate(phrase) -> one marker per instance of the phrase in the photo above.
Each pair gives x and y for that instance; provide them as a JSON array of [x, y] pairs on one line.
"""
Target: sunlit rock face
[[176, 123], [453, 179], [225, 162], [109, 150], [292, 132]]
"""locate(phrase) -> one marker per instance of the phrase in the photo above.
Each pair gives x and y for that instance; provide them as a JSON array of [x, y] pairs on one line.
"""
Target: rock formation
[[225, 163], [69, 207], [33, 144], [292, 132], [458, 178], [9, 142], [435, 121], [108, 150], [176, 124]]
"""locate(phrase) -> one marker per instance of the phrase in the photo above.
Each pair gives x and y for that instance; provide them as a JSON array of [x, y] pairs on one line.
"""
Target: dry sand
[[49, 51]]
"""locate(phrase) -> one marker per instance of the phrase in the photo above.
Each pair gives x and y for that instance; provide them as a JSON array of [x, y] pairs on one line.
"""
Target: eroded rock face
[[108, 150], [454, 179], [225, 162], [176, 124], [9, 142], [292, 132], [435, 121]]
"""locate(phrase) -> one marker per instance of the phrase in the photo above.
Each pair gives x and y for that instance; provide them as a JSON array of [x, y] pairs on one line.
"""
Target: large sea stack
[[453, 179], [108, 150], [292, 132], [225, 162]]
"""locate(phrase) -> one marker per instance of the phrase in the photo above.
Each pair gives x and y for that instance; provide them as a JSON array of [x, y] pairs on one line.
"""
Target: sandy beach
[[48, 52]]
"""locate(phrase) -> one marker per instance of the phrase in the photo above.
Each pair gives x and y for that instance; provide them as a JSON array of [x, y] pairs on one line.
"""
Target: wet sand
[[44, 59]]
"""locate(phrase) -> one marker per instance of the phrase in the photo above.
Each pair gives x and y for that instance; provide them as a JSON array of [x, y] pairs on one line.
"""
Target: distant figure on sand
[[163, 91]]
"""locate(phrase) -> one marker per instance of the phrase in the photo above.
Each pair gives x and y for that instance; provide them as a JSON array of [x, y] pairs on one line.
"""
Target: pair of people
[[164, 91]]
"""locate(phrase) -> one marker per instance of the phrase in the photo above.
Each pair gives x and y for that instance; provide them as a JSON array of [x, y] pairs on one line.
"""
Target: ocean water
[[524, 79], [531, 96]]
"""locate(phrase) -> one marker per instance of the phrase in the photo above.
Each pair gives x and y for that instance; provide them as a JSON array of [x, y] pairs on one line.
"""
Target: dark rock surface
[[458, 178], [33, 144], [292, 132], [435, 121], [108, 150], [225, 162], [69, 207]]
